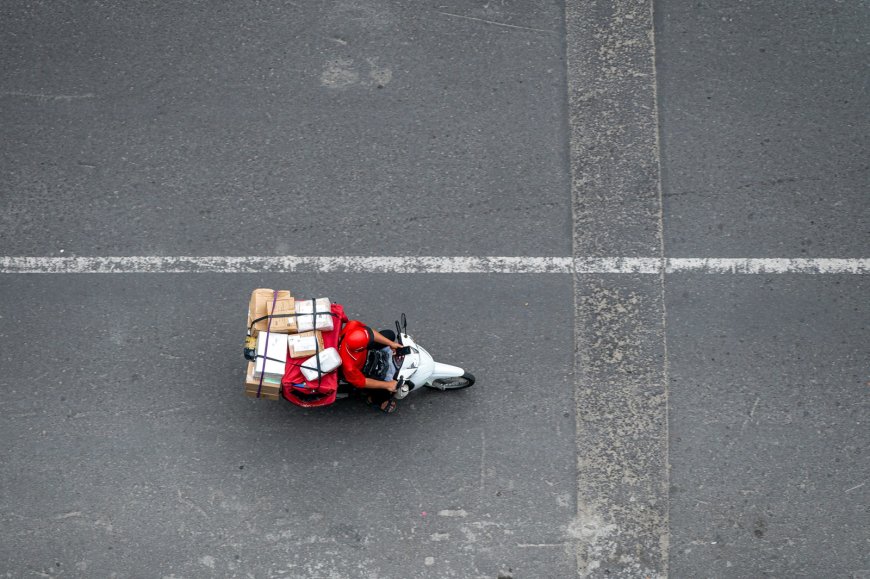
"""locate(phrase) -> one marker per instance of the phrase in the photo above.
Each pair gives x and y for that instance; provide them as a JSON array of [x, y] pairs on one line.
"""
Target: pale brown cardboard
[[263, 394], [271, 390], [258, 305], [293, 341], [283, 310]]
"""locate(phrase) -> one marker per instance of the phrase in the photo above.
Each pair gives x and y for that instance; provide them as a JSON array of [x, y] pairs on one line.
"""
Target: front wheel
[[455, 383]]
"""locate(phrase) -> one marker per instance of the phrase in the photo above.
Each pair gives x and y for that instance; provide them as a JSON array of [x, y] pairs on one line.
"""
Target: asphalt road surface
[[627, 421]]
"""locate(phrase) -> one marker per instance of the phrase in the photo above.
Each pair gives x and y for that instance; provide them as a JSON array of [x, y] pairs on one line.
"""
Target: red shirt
[[352, 362]]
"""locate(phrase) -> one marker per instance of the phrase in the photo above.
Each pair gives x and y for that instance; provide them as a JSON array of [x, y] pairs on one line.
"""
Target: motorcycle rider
[[356, 342]]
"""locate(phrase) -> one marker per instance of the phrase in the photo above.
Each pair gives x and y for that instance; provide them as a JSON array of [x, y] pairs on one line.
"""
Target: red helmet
[[356, 340]]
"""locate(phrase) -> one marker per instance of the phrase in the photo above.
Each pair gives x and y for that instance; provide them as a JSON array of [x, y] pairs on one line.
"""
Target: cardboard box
[[329, 361], [303, 345], [261, 299], [271, 356], [265, 393], [314, 315], [283, 314], [271, 390]]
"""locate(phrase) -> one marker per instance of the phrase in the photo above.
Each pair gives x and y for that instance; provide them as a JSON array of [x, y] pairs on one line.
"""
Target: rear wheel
[[456, 383]]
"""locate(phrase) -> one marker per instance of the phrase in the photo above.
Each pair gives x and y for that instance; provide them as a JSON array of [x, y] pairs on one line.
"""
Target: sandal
[[388, 406]]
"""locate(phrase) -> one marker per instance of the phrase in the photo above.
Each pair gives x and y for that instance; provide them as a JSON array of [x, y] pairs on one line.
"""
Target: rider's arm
[[380, 339], [380, 384]]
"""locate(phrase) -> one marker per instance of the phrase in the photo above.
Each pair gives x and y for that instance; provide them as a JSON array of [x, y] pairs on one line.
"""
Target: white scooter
[[415, 368]]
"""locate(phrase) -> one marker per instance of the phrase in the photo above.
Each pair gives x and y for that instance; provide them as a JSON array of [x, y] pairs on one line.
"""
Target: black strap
[[294, 314], [318, 367], [269, 317], [316, 343], [313, 314]]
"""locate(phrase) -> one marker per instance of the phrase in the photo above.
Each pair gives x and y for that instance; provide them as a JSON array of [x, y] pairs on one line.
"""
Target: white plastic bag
[[329, 361]]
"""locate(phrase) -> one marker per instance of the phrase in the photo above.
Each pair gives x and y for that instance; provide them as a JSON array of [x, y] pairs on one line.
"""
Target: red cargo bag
[[322, 391]]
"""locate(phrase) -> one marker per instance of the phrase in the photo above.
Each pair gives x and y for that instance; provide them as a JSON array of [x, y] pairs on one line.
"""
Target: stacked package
[[271, 356], [305, 345], [284, 328], [266, 303], [270, 389], [314, 314]]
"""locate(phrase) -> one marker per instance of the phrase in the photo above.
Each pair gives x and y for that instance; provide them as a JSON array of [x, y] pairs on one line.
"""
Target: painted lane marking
[[722, 265], [285, 264], [431, 264]]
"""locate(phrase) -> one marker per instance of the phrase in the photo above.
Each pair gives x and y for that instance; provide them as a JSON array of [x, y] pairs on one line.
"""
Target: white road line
[[723, 265], [285, 264], [431, 264]]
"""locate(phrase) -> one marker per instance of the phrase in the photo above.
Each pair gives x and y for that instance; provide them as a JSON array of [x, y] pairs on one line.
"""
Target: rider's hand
[[394, 346], [392, 386]]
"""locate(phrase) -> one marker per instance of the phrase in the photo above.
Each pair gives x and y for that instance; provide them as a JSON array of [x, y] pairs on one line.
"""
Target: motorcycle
[[415, 369]]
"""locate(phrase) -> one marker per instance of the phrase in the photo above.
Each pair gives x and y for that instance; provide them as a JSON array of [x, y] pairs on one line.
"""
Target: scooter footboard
[[445, 371]]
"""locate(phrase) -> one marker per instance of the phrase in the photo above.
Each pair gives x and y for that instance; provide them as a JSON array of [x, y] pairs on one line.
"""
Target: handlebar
[[401, 328]]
